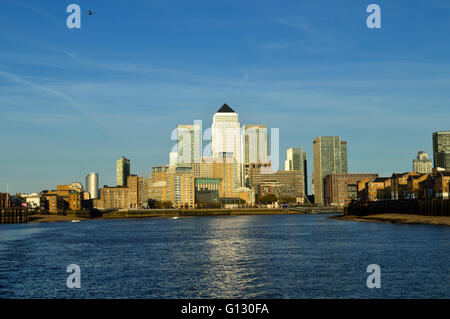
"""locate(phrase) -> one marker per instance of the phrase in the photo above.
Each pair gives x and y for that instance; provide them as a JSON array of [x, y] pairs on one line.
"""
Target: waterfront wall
[[14, 215], [424, 207]]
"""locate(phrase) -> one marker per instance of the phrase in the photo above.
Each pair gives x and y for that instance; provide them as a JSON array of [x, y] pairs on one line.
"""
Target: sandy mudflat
[[52, 218], [398, 219]]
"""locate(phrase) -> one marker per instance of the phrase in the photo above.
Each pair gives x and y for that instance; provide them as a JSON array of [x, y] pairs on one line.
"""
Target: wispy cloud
[[297, 23], [17, 79], [312, 38], [77, 109]]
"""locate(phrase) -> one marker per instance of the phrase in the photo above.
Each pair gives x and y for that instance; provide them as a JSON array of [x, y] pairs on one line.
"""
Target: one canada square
[[226, 133]]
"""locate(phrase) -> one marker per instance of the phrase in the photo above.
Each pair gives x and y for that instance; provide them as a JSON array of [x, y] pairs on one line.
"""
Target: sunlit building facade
[[330, 156]]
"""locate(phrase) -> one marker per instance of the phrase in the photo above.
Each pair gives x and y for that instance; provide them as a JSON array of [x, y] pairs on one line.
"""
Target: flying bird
[[90, 13]]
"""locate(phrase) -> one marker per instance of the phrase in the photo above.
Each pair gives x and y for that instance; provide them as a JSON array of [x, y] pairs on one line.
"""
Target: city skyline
[[224, 156], [146, 173], [73, 101]]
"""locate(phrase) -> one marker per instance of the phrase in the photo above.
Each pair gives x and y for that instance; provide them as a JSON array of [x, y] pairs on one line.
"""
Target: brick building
[[370, 190], [279, 183], [342, 188]]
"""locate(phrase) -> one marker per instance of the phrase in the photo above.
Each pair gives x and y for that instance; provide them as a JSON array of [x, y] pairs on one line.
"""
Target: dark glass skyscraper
[[122, 171], [441, 149]]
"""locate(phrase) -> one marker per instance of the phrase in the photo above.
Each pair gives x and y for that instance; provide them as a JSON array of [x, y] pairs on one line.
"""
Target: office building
[[113, 198], [122, 171], [136, 191], [226, 133], [227, 169], [443, 161], [280, 183], [422, 165], [224, 168], [441, 149], [255, 143], [181, 186], [189, 144], [330, 156], [245, 171], [342, 188], [207, 191], [207, 184], [296, 161], [92, 185]]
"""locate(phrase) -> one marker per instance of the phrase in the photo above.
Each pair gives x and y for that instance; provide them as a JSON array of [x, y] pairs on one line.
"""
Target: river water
[[279, 256]]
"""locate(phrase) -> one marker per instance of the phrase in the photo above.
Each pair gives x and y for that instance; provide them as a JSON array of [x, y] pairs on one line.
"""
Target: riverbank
[[52, 218], [169, 213], [397, 219]]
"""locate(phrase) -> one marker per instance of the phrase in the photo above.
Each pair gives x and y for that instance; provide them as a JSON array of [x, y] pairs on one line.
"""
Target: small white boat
[[174, 217], [75, 220]]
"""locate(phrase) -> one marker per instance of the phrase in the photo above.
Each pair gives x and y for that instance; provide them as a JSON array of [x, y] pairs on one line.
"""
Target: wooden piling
[[14, 215]]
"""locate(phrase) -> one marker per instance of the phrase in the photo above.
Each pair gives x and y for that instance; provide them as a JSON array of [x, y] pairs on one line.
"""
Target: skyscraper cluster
[[230, 169], [236, 169]]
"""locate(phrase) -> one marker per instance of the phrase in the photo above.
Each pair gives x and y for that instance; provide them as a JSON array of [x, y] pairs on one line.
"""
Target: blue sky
[[72, 101]]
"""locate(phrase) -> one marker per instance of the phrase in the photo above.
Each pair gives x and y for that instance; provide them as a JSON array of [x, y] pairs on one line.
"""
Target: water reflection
[[294, 256], [233, 270]]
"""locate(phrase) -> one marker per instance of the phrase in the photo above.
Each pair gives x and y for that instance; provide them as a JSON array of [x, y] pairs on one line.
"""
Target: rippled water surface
[[287, 256]]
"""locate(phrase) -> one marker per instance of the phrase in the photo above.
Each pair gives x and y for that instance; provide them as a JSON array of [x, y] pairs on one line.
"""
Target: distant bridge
[[308, 209]]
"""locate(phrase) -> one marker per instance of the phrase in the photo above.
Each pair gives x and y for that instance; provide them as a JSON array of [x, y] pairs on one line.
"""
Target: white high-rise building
[[226, 139], [189, 146], [226, 133], [92, 185], [255, 144], [422, 164]]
